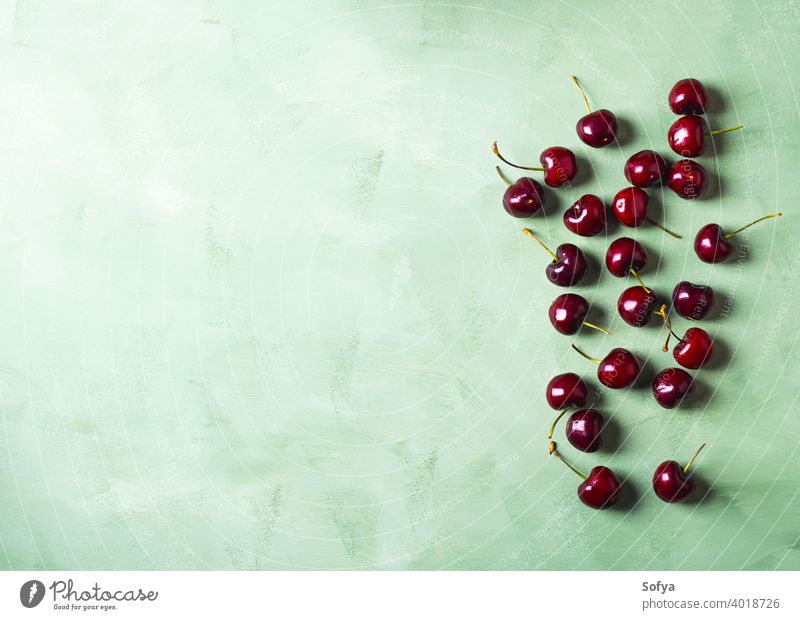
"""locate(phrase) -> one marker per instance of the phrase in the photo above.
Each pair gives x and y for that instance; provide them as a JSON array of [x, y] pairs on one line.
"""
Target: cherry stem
[[664, 228], [557, 454], [583, 94], [639, 280], [588, 357], [761, 219], [662, 312], [597, 327], [716, 132], [529, 232], [496, 151], [553, 428], [691, 460], [502, 175]]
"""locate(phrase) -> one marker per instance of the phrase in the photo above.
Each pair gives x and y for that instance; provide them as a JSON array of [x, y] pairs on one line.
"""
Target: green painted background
[[262, 307]]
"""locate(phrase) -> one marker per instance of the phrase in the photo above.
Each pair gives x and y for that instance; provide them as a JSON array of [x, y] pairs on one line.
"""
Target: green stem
[[761, 219]]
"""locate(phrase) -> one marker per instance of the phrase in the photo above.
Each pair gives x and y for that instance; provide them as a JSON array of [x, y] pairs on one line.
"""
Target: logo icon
[[31, 593]]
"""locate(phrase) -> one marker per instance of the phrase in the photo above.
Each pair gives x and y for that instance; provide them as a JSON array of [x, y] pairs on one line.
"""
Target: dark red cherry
[[711, 243], [566, 390], [568, 267], [670, 386], [692, 301], [630, 206], [623, 255], [686, 136], [645, 168], [688, 179], [688, 96], [584, 428], [694, 349], [600, 489], [523, 198], [618, 369], [587, 216], [559, 166], [673, 483], [597, 129], [568, 313], [635, 305]]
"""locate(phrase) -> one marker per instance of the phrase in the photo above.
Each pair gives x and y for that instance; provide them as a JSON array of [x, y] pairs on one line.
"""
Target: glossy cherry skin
[[688, 96], [670, 483], [559, 166], [601, 489], [584, 428], [694, 349], [586, 217], [686, 136], [567, 313], [597, 129], [635, 305], [645, 168], [710, 244], [618, 369], [623, 255], [523, 198], [692, 301], [630, 206], [566, 390], [670, 386], [688, 179], [569, 268]]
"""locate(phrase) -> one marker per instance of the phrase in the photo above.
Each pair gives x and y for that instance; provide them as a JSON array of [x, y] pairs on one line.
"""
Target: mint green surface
[[263, 309]]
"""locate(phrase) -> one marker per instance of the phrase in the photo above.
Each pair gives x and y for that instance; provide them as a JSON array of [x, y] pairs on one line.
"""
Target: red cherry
[[567, 314], [688, 179], [635, 305], [558, 164], [630, 206], [686, 136], [692, 301], [711, 243], [693, 350], [586, 217], [673, 483], [645, 168], [568, 264], [566, 390], [670, 386], [623, 255], [600, 489], [523, 198], [616, 370], [584, 428], [688, 96], [597, 129]]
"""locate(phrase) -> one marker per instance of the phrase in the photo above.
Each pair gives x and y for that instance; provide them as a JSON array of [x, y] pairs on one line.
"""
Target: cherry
[[586, 217], [616, 370], [523, 198], [568, 264], [688, 179], [635, 305], [686, 136], [558, 165], [624, 256], [693, 350], [711, 244], [670, 386], [688, 96], [673, 483], [583, 429], [597, 129], [600, 489], [566, 390], [630, 209], [645, 168], [567, 314], [692, 301]]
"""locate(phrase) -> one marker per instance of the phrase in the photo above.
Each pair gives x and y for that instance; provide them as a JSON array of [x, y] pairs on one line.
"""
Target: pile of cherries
[[625, 257]]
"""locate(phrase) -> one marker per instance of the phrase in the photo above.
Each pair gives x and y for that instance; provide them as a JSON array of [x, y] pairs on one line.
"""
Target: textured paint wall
[[262, 307]]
